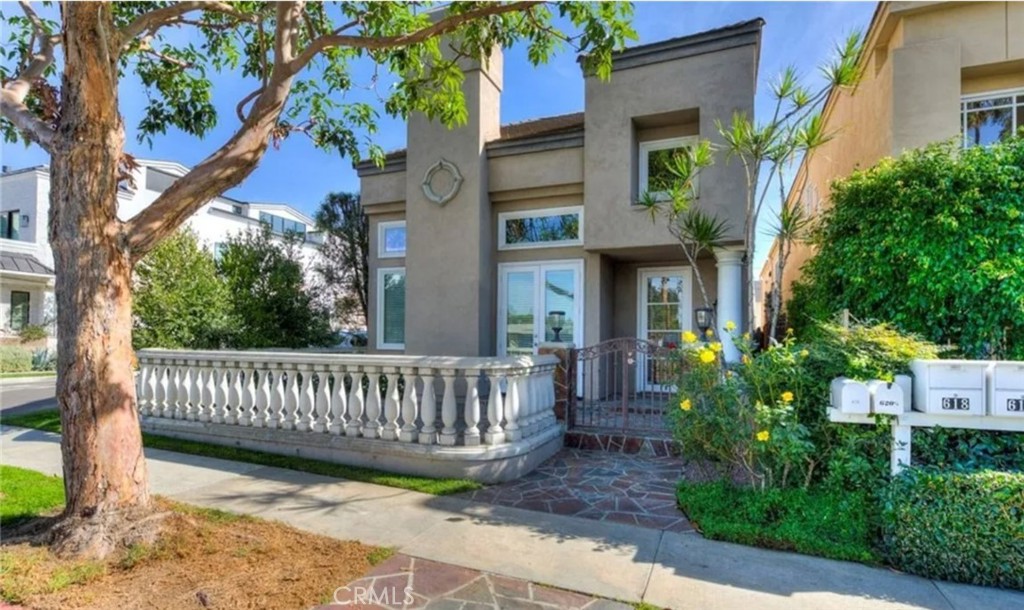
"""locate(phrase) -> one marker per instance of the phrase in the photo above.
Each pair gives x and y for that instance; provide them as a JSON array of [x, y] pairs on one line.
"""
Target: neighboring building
[[479, 233], [931, 71], [26, 260]]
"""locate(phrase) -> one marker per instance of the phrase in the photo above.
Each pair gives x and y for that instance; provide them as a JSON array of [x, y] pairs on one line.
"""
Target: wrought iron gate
[[623, 384]]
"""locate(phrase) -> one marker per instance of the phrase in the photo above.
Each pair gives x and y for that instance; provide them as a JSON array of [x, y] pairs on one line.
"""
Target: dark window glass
[[19, 309], [394, 308]]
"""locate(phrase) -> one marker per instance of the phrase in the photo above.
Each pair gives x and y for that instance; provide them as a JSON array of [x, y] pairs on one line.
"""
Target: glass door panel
[[560, 296], [664, 315], [520, 311]]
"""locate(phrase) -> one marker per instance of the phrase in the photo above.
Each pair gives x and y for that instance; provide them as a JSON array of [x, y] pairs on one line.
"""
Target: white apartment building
[[26, 260]]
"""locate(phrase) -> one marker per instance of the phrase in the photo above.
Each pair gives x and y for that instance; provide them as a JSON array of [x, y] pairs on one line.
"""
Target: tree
[[179, 300], [270, 305], [793, 226], [931, 242], [298, 56], [344, 257]]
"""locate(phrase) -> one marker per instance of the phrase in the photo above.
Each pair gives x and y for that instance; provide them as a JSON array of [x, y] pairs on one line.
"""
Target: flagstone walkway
[[598, 485], [407, 582]]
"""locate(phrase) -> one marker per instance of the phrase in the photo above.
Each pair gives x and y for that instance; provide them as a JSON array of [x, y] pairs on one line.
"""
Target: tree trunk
[[104, 469]]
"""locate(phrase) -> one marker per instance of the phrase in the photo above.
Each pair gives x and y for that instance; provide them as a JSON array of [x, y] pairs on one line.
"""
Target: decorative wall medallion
[[442, 182]]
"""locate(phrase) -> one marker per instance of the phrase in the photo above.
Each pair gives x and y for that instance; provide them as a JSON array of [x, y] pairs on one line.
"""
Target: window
[[654, 163], [988, 118], [281, 225], [218, 251], [540, 228], [237, 209], [10, 224], [19, 309], [391, 308], [391, 239]]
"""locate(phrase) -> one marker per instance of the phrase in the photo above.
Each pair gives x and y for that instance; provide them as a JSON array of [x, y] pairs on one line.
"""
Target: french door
[[537, 303], [664, 313]]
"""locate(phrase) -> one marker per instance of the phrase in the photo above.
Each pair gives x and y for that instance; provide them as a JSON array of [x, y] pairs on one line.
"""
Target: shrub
[[960, 526], [933, 242], [44, 360], [829, 523], [14, 359], [33, 332]]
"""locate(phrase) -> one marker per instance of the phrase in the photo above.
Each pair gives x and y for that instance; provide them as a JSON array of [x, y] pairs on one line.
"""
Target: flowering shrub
[[731, 419]]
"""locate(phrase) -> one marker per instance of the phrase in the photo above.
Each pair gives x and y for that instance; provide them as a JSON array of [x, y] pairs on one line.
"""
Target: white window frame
[[382, 229], [646, 148], [381, 272], [503, 217], [538, 267], [975, 97]]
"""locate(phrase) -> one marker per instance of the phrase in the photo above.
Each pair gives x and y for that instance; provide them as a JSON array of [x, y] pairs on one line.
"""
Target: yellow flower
[[804, 353], [763, 436], [716, 347], [746, 336], [730, 326], [787, 397], [689, 337], [707, 356], [728, 374], [789, 331], [686, 405], [745, 359], [709, 333]]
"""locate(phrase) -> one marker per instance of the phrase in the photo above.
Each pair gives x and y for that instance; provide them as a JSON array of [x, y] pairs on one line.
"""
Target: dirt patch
[[205, 559]]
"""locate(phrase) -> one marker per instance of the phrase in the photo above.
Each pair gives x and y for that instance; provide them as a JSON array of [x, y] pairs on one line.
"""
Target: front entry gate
[[624, 385]]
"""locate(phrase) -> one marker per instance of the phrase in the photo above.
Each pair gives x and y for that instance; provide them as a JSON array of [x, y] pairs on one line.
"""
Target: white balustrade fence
[[425, 400]]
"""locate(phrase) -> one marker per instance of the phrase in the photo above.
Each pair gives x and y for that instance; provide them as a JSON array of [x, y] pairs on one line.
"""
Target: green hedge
[[14, 359], [959, 526]]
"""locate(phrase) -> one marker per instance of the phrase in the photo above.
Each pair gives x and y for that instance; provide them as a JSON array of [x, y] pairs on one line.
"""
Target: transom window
[[991, 117], [540, 228], [281, 225], [391, 239], [391, 308], [655, 177]]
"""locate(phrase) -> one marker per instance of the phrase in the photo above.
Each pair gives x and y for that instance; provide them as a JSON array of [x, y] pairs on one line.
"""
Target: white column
[[730, 298]]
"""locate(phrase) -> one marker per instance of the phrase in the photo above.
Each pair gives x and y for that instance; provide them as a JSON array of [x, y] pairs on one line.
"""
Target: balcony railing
[[422, 400]]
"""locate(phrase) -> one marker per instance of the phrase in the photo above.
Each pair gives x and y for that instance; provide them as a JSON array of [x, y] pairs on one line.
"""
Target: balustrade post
[[205, 393], [220, 393], [141, 400], [355, 405], [245, 404], [372, 427], [512, 431], [306, 399], [160, 404], [234, 396], [428, 409], [495, 434], [195, 393], [275, 397], [291, 400], [408, 433], [391, 397], [261, 407], [449, 411], [471, 412], [339, 404], [323, 402], [174, 391]]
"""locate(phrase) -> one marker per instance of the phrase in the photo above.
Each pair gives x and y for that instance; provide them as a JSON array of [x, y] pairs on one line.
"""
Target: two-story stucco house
[[931, 71], [26, 260], [486, 238]]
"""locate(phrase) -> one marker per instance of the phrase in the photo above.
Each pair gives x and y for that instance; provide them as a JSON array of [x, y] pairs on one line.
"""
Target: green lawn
[[25, 494], [50, 421], [10, 375], [827, 524]]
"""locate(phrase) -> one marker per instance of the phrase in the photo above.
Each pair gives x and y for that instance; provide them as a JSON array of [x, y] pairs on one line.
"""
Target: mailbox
[[1006, 389], [888, 398], [950, 387], [850, 396]]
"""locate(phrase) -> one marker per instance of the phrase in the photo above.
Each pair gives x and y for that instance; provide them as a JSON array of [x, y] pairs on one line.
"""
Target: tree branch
[[234, 161], [153, 20], [12, 97], [443, 26]]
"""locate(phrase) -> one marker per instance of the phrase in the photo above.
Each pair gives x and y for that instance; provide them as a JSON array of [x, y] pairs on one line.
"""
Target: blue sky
[[799, 33]]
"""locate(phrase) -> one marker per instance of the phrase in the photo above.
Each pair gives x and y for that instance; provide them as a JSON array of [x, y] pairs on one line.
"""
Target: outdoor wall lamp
[[705, 317], [557, 323]]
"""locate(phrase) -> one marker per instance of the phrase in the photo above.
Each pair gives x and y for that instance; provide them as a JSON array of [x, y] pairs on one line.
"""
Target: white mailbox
[[850, 396], [1006, 389], [888, 398], [950, 387]]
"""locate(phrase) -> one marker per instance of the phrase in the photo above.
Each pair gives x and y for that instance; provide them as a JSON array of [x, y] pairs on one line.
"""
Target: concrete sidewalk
[[617, 561]]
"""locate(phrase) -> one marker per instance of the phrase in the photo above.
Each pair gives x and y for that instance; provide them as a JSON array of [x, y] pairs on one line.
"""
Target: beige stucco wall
[[536, 170], [713, 86], [921, 58]]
